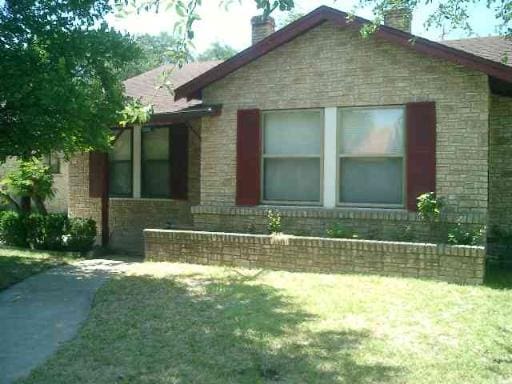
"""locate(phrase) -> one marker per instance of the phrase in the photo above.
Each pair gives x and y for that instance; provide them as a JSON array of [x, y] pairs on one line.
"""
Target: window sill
[[148, 199]]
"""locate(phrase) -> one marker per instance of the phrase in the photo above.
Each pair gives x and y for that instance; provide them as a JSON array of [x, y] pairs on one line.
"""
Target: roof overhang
[[193, 89], [184, 115]]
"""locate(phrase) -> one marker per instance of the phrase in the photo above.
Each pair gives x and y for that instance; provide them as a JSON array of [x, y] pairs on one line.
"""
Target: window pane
[[292, 133], [155, 163], [122, 147], [371, 131], [155, 144], [371, 180], [292, 179], [155, 178], [120, 178]]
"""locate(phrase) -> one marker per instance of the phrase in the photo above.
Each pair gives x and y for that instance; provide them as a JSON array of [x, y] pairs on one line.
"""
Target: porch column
[[330, 158], [137, 133]]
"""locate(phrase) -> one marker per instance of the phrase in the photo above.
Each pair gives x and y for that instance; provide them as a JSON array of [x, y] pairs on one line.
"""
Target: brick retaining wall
[[458, 264]]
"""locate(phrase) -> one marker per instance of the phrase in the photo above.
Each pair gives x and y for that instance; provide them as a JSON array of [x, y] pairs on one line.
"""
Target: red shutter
[[421, 151], [98, 176], [248, 153], [179, 162]]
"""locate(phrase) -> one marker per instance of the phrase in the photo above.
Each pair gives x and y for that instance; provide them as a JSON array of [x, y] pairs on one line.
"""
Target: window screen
[[371, 155], [292, 156], [120, 167], [155, 167]]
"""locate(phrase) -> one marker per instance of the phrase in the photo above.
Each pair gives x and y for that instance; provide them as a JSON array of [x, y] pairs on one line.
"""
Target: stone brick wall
[[457, 264], [500, 175], [328, 67], [129, 217], [500, 163], [374, 224], [80, 204]]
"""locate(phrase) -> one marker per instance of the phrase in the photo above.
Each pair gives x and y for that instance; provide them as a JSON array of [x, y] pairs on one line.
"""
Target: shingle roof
[[494, 48], [145, 85]]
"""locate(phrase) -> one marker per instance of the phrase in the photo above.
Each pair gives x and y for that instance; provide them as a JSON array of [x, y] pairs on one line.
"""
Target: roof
[[146, 85], [494, 48], [458, 55]]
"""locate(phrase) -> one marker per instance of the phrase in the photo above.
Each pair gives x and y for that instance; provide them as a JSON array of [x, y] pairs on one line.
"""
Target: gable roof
[[193, 88], [145, 86], [494, 48]]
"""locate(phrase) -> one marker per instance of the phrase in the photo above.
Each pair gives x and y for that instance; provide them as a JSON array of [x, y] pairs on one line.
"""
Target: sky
[[233, 27]]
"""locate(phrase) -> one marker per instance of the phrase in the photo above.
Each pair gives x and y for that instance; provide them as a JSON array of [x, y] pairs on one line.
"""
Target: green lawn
[[175, 323], [18, 265]]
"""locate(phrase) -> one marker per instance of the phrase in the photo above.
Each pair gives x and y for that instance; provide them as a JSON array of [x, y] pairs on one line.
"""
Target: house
[[320, 123]]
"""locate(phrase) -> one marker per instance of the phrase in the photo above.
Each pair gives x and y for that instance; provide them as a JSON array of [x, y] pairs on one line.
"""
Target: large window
[[155, 164], [371, 156], [120, 170], [292, 148]]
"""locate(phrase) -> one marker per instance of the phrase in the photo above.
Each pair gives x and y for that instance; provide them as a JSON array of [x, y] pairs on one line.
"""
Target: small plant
[[273, 222], [405, 233], [461, 234], [430, 207], [338, 231]]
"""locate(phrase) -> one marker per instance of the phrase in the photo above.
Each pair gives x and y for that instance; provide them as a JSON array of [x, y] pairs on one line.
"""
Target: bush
[[13, 229], [81, 234], [338, 231], [273, 222], [54, 232], [461, 234], [430, 206], [47, 231]]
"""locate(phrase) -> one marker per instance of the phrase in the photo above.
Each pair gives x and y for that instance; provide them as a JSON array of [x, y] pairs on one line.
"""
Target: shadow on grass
[[14, 269], [498, 276], [192, 329]]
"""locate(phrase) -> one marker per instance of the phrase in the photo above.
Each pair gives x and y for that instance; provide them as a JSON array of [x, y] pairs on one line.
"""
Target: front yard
[[17, 265], [174, 323]]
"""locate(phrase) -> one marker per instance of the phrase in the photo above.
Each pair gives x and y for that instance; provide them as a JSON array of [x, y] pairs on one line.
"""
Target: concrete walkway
[[45, 310]]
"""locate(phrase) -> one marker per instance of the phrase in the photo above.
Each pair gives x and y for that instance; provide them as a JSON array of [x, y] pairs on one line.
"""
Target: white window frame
[[264, 156], [402, 156]]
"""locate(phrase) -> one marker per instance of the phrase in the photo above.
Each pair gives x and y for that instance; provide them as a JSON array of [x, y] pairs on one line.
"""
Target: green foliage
[[31, 179], [461, 234], [54, 232], [274, 222], [430, 207], [60, 66], [135, 112], [13, 229], [217, 51], [155, 52], [338, 231], [80, 235]]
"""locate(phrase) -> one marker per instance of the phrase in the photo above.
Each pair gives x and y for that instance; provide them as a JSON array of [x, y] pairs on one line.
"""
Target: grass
[[17, 265], [175, 323]]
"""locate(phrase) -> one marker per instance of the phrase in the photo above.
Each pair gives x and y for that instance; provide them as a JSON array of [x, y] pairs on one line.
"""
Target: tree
[[32, 180], [217, 51], [155, 51], [60, 87]]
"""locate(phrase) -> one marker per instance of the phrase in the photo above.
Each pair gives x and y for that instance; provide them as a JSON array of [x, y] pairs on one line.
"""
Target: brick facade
[[458, 264], [128, 217], [329, 67]]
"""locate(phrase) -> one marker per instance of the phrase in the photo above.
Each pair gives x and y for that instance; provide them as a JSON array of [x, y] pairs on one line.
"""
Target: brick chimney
[[262, 27], [399, 18]]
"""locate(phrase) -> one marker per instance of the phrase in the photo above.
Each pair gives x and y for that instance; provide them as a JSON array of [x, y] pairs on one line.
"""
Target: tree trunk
[[39, 203], [25, 205]]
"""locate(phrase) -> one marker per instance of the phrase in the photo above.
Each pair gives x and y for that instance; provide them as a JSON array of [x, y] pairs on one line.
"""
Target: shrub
[[35, 224], [273, 222], [81, 234], [338, 231], [430, 206], [461, 234], [13, 229]]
